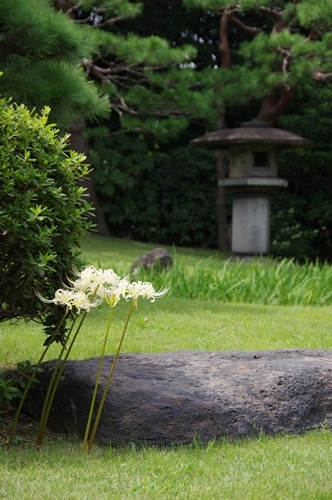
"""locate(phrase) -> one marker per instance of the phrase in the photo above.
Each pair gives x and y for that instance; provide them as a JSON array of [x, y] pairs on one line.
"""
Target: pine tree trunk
[[272, 107], [79, 144], [222, 225], [223, 240]]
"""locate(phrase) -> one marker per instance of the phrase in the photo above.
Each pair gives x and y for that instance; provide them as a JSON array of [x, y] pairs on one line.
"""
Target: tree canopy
[[40, 57], [287, 44], [236, 89], [71, 56]]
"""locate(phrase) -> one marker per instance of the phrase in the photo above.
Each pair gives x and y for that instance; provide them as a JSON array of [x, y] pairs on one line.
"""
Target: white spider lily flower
[[61, 297], [89, 279], [143, 289], [150, 293], [134, 290], [96, 281], [116, 292], [95, 285], [111, 278], [81, 301], [70, 299]]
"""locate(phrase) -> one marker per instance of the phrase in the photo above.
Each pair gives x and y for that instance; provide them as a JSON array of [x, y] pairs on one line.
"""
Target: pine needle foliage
[[40, 57], [280, 45]]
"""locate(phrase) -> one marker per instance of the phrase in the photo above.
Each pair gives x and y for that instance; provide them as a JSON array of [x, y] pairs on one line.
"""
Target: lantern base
[[251, 224]]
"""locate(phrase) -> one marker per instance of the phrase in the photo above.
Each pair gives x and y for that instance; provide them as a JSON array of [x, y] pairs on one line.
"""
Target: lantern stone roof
[[223, 139]]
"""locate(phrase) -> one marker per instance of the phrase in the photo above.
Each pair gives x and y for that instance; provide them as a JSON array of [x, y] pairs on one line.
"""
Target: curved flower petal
[[72, 298], [145, 290]]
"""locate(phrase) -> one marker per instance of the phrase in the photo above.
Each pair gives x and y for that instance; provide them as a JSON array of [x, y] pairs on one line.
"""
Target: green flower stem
[[27, 387], [95, 426], [54, 387], [55, 382], [88, 425], [42, 422]]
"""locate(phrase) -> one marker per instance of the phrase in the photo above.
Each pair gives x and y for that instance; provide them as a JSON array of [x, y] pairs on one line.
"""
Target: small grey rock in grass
[[157, 258]]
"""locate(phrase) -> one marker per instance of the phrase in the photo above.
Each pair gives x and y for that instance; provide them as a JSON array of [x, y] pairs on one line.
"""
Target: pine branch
[[223, 38], [121, 107], [270, 11], [167, 113], [117, 72], [277, 15], [287, 56], [91, 20], [252, 30], [319, 76], [273, 106], [313, 35], [108, 22]]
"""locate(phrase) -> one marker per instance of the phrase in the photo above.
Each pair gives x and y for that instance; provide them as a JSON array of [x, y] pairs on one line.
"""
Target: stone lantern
[[253, 174]]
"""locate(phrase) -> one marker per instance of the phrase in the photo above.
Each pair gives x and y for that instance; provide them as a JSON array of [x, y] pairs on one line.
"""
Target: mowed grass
[[285, 467], [179, 324]]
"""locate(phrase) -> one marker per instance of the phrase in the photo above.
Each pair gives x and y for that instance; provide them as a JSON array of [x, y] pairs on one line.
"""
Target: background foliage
[[156, 194], [141, 57], [301, 221], [302, 214]]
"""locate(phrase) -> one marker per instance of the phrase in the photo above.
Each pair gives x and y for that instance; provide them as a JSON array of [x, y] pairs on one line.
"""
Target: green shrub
[[43, 211], [13, 383], [150, 195], [290, 237]]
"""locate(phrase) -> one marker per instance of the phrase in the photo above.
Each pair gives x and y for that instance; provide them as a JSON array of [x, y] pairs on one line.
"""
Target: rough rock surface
[[173, 397]]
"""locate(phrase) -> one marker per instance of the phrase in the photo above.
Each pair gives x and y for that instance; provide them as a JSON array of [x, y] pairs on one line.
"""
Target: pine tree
[[40, 58], [139, 74], [286, 46], [73, 57], [70, 56]]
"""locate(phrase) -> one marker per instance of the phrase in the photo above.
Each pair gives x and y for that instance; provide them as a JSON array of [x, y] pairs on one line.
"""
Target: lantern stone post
[[253, 175]]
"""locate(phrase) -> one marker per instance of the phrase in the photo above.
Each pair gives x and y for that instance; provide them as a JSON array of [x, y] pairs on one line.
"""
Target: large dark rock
[[173, 397]]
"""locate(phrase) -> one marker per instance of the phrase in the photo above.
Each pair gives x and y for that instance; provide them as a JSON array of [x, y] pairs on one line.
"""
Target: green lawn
[[265, 468], [285, 467], [175, 324]]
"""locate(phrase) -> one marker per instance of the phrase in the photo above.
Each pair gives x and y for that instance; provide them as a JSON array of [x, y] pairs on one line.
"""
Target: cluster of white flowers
[[93, 286]]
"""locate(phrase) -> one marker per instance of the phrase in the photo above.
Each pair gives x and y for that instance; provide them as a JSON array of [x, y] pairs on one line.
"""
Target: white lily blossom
[[145, 290], [117, 291], [95, 281], [150, 293], [81, 301], [93, 286], [70, 299], [110, 277]]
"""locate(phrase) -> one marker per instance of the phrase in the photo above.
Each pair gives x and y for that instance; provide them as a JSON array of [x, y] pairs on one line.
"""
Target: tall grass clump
[[261, 281]]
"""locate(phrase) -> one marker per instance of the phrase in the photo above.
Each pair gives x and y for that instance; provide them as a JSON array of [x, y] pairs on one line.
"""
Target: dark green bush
[[43, 211], [290, 238], [150, 195], [13, 383]]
